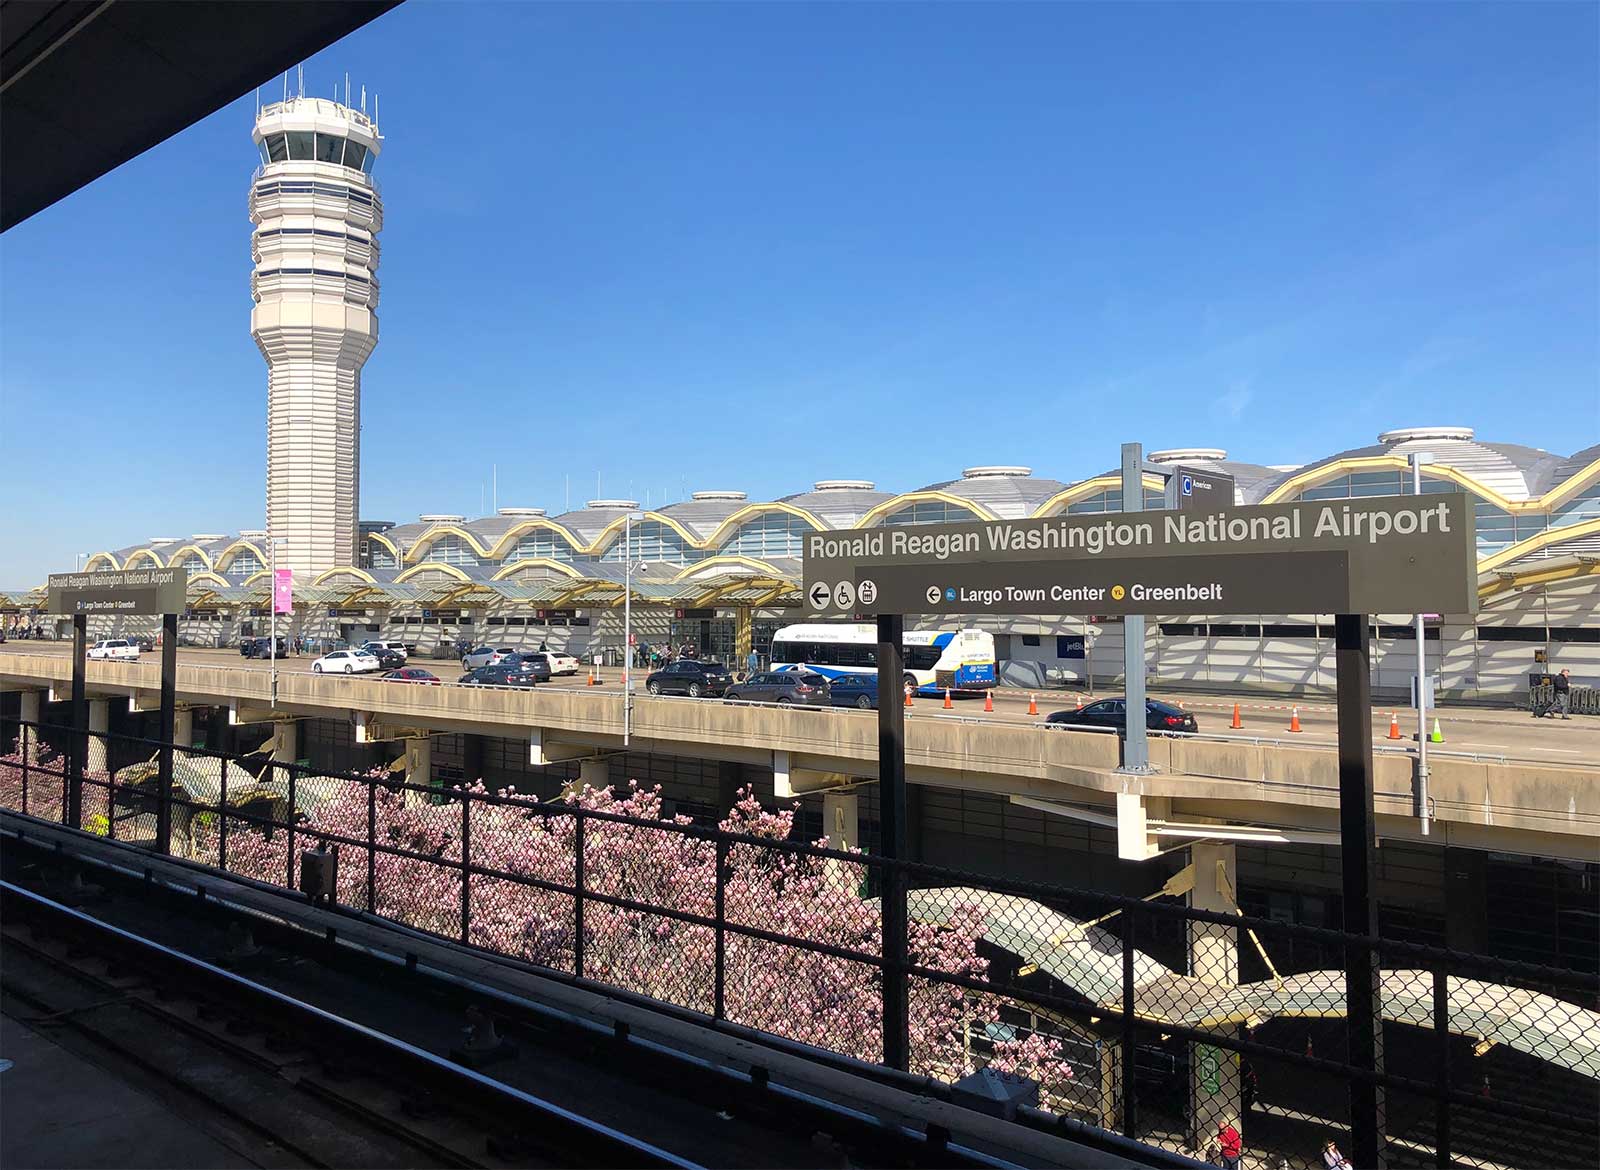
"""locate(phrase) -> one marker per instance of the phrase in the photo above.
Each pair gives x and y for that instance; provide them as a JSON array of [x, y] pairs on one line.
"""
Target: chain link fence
[[1204, 1032]]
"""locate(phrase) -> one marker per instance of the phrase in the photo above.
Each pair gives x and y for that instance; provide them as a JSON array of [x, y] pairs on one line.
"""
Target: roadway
[[1508, 733]]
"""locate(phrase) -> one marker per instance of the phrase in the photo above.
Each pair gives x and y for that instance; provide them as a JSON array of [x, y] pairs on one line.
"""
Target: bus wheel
[[911, 684]]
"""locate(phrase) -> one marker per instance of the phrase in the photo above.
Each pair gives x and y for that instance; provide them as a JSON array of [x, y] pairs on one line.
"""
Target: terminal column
[[99, 721], [419, 767], [286, 742], [1214, 1080], [594, 773], [183, 727], [32, 705], [841, 819], [743, 638]]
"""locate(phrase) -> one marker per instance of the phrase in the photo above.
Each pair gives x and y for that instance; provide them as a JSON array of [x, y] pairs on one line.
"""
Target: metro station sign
[[1395, 554], [122, 591]]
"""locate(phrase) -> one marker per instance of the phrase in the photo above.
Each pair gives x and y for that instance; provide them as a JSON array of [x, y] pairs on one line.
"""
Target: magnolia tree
[[524, 855]]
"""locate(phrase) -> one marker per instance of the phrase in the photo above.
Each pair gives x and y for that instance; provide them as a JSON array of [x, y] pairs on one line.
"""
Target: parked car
[[854, 690], [561, 663], [376, 649], [346, 662], [786, 687], [115, 648], [478, 656], [389, 659], [262, 647], [412, 674], [498, 675], [688, 677], [146, 644], [528, 662], [1159, 716]]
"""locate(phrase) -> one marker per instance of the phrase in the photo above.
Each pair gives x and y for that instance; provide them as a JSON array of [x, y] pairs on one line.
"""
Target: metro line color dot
[[1118, 592]]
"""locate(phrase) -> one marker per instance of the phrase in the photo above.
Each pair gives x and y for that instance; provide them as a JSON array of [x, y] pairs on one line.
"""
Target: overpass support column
[[594, 773], [1214, 1080], [183, 727], [98, 759], [471, 756], [32, 708], [419, 767], [841, 819], [286, 745]]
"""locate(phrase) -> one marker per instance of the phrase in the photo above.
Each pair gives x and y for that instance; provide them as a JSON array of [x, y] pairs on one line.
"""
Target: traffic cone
[[591, 676], [1437, 736], [908, 698], [948, 705], [1237, 722], [1033, 705], [1394, 726], [988, 700], [1294, 720]]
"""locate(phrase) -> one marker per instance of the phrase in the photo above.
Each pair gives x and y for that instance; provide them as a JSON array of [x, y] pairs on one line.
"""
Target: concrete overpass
[[1205, 788]]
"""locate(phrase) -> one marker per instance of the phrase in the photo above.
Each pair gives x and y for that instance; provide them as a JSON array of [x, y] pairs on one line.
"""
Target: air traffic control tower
[[317, 214]]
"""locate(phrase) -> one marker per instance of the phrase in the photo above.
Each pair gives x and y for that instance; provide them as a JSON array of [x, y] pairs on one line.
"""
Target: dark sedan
[[1159, 716], [688, 677], [800, 688], [498, 676], [412, 674], [854, 690], [527, 662]]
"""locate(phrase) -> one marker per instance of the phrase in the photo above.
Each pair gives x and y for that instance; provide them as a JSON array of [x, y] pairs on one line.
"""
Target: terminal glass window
[[1583, 506], [540, 543], [931, 512], [194, 563], [654, 541], [775, 534], [277, 149], [355, 156], [243, 564], [1111, 501], [330, 148], [379, 556], [302, 145], [452, 550]]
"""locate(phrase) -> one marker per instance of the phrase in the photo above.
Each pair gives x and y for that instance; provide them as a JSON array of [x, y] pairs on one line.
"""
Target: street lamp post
[[627, 624], [1418, 458], [272, 610]]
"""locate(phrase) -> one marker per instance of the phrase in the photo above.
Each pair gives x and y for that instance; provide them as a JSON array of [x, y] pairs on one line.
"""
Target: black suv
[[508, 673], [262, 647], [689, 677]]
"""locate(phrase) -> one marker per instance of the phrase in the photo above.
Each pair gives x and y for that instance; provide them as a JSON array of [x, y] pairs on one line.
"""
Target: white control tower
[[317, 214]]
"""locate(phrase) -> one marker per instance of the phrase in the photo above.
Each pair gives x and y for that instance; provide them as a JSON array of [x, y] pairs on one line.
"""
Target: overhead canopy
[[89, 84], [1089, 960]]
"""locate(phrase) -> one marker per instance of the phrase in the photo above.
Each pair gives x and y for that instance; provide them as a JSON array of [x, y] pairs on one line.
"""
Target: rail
[[1104, 1002]]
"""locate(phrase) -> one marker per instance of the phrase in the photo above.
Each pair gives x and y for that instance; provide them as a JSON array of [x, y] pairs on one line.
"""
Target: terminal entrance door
[[710, 638]]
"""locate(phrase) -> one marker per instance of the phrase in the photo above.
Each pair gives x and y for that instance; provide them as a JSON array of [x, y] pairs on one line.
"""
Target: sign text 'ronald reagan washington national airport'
[[1394, 554]]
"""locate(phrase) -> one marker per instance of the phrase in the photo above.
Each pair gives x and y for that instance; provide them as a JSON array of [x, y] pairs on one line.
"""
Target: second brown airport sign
[[1396, 554]]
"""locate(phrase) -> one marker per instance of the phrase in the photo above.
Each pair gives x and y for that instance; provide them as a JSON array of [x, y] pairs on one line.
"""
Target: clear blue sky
[[772, 243]]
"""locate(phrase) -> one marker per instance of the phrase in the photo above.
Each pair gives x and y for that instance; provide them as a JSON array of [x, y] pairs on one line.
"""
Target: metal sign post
[[169, 721], [1136, 744], [80, 719], [892, 833]]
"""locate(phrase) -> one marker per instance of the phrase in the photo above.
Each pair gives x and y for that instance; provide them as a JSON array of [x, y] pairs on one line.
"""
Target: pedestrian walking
[[753, 662], [1563, 695], [1230, 1145]]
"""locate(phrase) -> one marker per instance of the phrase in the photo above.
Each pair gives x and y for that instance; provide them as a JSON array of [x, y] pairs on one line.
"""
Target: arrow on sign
[[819, 595]]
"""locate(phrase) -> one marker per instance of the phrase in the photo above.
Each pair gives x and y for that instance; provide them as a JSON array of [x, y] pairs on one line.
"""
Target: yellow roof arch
[[345, 571], [172, 560], [714, 563], [133, 558], [387, 543], [738, 519], [1572, 485], [1310, 478], [895, 503], [199, 578], [515, 533], [440, 566], [1090, 487], [511, 568], [258, 575], [227, 555], [110, 559], [427, 540], [607, 535]]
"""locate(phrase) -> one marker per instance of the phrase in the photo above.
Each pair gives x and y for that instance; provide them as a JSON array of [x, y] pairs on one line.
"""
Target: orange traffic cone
[[1394, 726], [948, 705], [908, 697], [1033, 705], [988, 700], [1294, 720], [591, 676], [1237, 722]]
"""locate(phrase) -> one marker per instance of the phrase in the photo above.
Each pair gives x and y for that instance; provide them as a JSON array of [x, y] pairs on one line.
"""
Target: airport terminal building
[[720, 572]]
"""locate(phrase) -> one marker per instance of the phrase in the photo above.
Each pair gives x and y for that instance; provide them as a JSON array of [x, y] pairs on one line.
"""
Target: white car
[[115, 648], [345, 662], [561, 663], [483, 656]]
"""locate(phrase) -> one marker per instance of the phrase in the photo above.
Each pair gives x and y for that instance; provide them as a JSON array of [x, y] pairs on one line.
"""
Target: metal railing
[[1161, 1021]]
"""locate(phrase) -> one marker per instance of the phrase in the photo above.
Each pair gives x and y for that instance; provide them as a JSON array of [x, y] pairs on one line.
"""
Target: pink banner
[[283, 591]]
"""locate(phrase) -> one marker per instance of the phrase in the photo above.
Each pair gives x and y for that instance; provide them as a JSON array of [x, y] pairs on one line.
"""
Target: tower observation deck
[[317, 214]]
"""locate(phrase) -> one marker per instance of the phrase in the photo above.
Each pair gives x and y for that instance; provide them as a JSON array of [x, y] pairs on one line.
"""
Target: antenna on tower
[[285, 87], [347, 87], [300, 81], [363, 99]]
